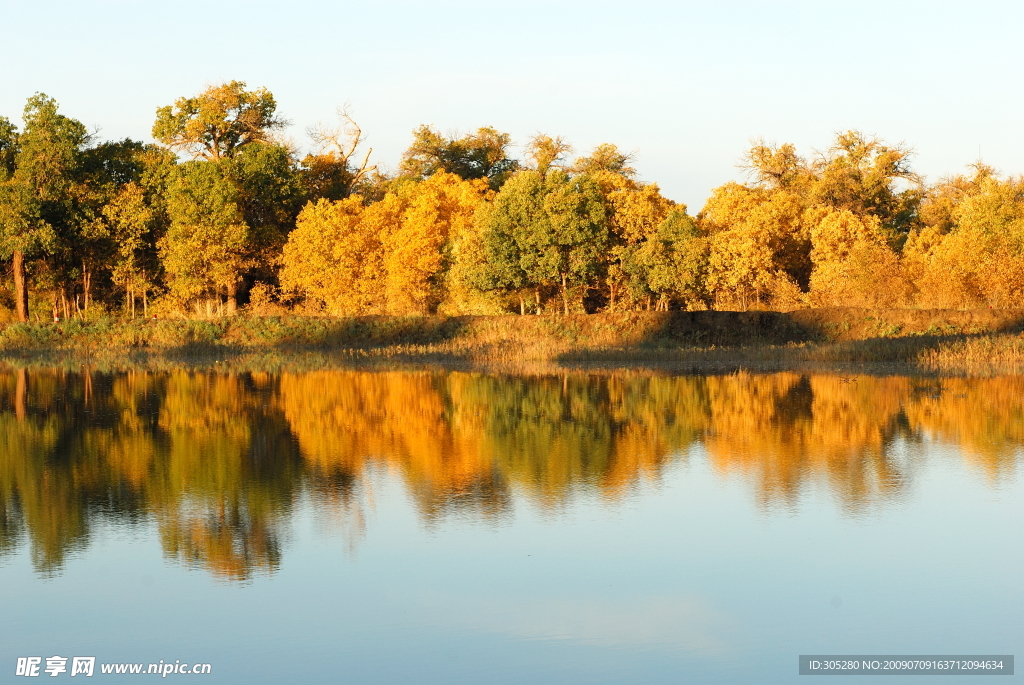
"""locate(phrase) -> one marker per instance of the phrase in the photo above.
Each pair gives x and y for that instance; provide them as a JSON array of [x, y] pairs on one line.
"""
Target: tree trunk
[[536, 294], [522, 305], [611, 296], [20, 286], [86, 285], [232, 297], [565, 297]]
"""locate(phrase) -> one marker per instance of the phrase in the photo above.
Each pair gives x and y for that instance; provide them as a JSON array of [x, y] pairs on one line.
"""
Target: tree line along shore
[[222, 214]]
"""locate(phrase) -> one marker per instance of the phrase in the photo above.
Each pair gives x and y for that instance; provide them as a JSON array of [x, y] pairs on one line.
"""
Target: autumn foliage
[[462, 227]]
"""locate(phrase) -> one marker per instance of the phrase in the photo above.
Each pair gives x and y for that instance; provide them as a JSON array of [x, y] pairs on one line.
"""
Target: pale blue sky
[[684, 85]]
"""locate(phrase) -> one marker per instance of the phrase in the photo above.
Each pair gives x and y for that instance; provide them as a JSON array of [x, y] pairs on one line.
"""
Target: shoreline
[[927, 341]]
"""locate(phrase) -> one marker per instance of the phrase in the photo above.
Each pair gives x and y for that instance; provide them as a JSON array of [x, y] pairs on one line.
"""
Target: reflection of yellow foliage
[[344, 419], [984, 418], [222, 538], [218, 459], [218, 505]]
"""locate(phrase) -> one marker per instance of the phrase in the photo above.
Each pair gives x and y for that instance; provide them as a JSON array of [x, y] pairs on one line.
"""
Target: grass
[[976, 351], [936, 340]]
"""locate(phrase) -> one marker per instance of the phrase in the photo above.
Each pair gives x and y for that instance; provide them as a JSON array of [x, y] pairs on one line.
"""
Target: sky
[[685, 86]]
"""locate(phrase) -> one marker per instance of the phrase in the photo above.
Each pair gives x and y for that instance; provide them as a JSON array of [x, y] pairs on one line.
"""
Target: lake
[[432, 525]]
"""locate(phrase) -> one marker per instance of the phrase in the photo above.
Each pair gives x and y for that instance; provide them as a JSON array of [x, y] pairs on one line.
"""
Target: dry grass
[[931, 339], [1003, 350]]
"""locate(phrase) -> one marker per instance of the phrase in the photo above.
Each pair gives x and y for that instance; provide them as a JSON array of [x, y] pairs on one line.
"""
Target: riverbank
[[935, 339]]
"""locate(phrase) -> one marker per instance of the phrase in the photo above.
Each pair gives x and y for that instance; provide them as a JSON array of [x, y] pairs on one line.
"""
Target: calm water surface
[[359, 526]]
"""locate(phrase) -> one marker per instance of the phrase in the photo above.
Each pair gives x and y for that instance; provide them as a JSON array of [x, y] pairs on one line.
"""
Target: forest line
[[222, 213]]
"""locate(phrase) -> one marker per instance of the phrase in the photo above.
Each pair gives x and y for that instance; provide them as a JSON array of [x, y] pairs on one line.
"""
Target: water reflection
[[219, 460]]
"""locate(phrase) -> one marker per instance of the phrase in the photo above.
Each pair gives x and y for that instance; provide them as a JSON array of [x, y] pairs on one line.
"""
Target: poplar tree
[[483, 154], [510, 265], [206, 244], [232, 207], [38, 208], [545, 231], [218, 121], [579, 231]]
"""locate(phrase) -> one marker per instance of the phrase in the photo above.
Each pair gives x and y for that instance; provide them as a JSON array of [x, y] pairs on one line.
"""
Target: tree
[[516, 213], [38, 212], [980, 258], [853, 263], [131, 221], [635, 213], [270, 195], [761, 233], [940, 201], [778, 167], [8, 147], [547, 231], [390, 256], [240, 209], [469, 288], [207, 242], [133, 180], [20, 225], [335, 257], [672, 263], [11, 205], [218, 121], [759, 245], [93, 250], [483, 154], [606, 157], [331, 170], [863, 175], [417, 251], [547, 153]]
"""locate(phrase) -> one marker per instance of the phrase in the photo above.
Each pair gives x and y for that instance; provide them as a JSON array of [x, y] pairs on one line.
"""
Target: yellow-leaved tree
[[207, 243], [980, 260], [334, 257], [386, 257], [636, 212], [853, 263], [130, 221], [759, 246], [417, 248]]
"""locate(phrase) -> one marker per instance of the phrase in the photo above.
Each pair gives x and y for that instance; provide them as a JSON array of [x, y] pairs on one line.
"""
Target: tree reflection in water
[[220, 460]]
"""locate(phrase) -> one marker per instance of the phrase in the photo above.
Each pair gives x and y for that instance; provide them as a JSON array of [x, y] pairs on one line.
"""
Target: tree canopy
[[221, 212], [483, 154], [218, 121]]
